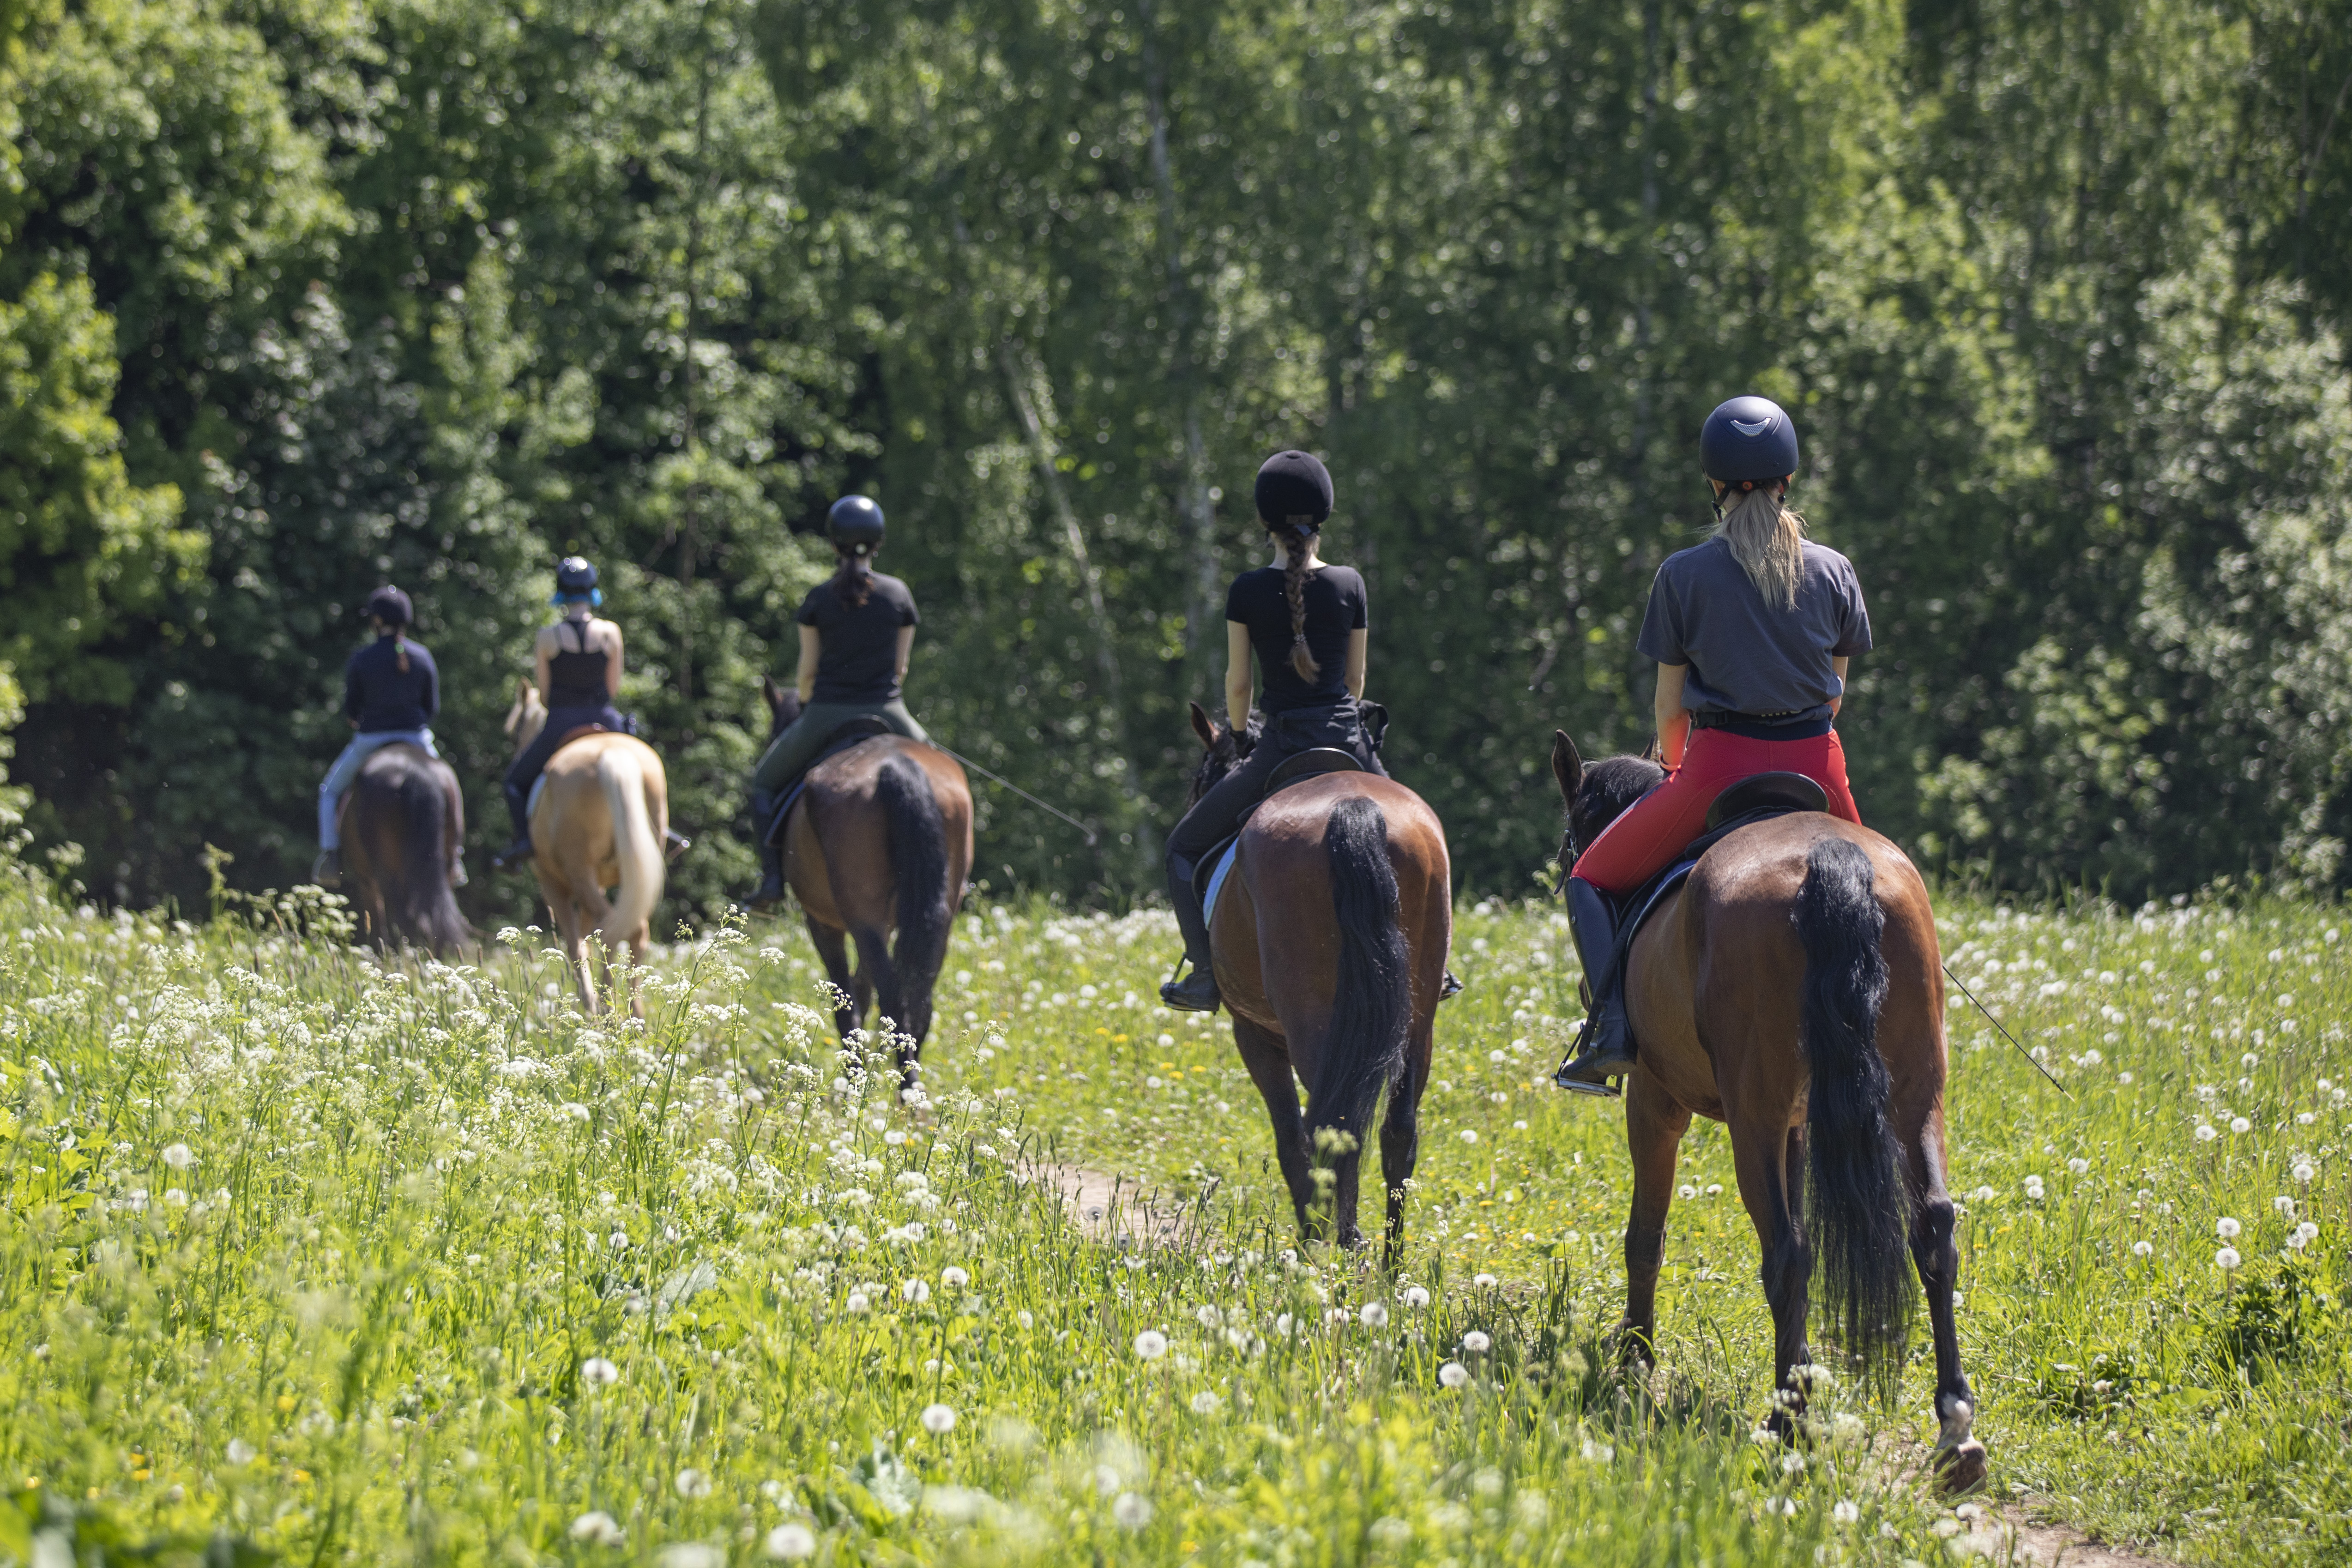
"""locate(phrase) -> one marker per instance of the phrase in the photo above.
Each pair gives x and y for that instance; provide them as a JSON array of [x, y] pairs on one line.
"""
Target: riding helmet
[[575, 579], [1292, 485], [854, 525], [391, 607], [1747, 440]]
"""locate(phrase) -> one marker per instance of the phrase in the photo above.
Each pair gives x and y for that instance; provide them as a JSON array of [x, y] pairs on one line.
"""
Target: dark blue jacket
[[381, 696]]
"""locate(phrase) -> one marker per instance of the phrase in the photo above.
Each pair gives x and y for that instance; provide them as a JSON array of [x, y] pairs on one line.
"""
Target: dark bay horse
[[880, 839], [402, 820], [1792, 989], [1330, 936]]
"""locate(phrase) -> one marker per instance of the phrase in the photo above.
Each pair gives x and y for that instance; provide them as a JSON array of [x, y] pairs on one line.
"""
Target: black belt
[[1760, 726]]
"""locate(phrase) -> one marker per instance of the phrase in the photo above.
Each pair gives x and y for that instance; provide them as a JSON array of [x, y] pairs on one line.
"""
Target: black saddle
[[1312, 763], [850, 732], [1759, 797], [1777, 793]]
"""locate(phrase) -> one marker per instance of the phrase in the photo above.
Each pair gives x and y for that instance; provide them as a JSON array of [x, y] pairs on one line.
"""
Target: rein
[[2004, 1028], [1024, 794]]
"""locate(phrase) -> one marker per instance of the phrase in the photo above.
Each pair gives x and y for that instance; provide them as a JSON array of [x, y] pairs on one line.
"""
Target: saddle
[[851, 733], [565, 738], [1759, 797], [1208, 874]]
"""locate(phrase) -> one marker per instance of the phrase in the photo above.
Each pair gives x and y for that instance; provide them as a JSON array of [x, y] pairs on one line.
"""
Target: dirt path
[[1126, 1213]]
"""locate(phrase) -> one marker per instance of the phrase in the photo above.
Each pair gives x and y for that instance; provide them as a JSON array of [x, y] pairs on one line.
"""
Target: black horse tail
[[1860, 1204], [919, 858], [1372, 1011]]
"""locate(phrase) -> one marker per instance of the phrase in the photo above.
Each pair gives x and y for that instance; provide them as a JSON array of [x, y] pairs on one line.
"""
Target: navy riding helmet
[[391, 607], [576, 580], [854, 525], [1748, 440]]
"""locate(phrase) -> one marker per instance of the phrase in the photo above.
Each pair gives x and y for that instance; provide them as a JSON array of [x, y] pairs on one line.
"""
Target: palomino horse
[[1329, 937], [599, 821], [1792, 990], [880, 838], [401, 822]]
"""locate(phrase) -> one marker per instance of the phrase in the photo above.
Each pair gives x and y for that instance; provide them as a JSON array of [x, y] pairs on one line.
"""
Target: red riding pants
[[1652, 831]]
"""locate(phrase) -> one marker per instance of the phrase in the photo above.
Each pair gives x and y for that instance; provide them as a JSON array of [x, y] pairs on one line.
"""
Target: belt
[[1760, 726]]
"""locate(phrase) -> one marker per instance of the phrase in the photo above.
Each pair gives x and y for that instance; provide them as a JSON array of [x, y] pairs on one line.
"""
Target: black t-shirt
[[381, 696], [857, 649], [1335, 606]]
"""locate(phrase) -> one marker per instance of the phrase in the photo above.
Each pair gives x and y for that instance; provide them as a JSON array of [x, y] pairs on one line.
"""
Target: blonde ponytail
[[1768, 540]]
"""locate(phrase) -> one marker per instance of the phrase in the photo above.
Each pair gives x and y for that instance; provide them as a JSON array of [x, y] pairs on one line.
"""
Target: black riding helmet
[[391, 607], [1746, 440], [575, 579], [1292, 487], [854, 525]]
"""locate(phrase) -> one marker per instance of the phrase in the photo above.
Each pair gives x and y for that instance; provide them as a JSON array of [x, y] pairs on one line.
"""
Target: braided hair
[[1294, 496], [853, 580]]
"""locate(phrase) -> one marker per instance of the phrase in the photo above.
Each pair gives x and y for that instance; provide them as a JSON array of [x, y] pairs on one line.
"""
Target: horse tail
[[636, 847], [1372, 1011], [1860, 1204], [918, 858], [425, 909]]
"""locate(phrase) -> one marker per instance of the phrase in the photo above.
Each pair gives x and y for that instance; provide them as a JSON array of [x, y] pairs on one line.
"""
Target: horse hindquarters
[[424, 910], [636, 850], [1372, 1008], [1860, 1207]]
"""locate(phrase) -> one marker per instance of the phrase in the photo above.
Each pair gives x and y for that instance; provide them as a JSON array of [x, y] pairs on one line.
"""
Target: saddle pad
[[1644, 899], [1217, 880]]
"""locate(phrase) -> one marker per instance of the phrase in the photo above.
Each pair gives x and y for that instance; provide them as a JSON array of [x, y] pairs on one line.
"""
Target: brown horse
[[402, 820], [599, 819], [1329, 937], [1792, 989], [880, 838]]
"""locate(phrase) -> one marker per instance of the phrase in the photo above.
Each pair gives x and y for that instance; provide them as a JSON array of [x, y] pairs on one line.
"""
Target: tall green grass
[[306, 1256]]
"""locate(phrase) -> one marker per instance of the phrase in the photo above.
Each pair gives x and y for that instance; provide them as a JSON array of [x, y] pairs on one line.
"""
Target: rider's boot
[[1450, 987], [770, 890], [327, 870], [519, 851], [458, 878], [1604, 1047], [1197, 991]]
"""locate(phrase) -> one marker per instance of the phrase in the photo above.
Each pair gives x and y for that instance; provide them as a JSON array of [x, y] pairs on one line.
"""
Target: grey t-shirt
[[1746, 657]]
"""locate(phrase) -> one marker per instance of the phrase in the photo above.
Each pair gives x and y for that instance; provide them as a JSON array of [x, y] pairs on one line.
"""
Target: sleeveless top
[[576, 679]]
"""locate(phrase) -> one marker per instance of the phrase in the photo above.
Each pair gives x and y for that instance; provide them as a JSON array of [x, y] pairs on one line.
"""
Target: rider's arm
[[1673, 719], [905, 648], [1237, 675], [542, 650], [613, 662], [1837, 666], [1360, 642], [806, 678]]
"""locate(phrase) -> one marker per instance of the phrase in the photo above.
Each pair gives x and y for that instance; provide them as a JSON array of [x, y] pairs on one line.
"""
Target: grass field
[[308, 1258]]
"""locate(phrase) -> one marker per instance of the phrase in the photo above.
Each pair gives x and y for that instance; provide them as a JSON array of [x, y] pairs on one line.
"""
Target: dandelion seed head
[[1131, 1510], [2226, 1228], [1415, 1297], [791, 1543], [2226, 1257], [179, 1156], [1844, 1511], [1374, 1315], [1453, 1374], [598, 1372], [1476, 1343], [938, 1420], [2142, 1248], [1150, 1344], [598, 1529], [1205, 1403], [953, 1277], [692, 1483]]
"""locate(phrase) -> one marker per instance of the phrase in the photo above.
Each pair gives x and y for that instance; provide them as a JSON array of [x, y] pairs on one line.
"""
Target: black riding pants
[[1217, 814], [526, 768]]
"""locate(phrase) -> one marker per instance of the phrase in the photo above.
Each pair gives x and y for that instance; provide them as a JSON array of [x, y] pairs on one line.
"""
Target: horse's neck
[[534, 721]]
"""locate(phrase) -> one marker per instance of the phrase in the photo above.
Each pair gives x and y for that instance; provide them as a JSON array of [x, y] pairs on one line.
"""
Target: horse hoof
[[1962, 1467]]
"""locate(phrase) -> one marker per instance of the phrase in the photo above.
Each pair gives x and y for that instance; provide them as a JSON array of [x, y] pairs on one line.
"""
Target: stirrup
[[1589, 1067], [770, 893], [1196, 993], [1450, 986]]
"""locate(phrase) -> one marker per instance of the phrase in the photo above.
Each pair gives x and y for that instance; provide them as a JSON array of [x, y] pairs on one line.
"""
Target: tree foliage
[[438, 290]]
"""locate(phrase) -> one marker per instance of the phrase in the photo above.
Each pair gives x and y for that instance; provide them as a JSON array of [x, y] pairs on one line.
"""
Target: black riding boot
[[519, 851], [1197, 991], [1604, 1048], [772, 855]]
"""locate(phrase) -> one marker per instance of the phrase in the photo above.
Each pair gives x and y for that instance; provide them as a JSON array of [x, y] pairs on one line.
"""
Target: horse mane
[[1608, 788], [1223, 758]]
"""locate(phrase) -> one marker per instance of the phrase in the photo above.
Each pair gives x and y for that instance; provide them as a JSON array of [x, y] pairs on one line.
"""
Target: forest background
[[298, 296]]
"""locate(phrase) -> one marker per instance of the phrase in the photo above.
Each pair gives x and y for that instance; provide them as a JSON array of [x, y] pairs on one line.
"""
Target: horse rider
[[390, 692], [579, 665], [1305, 621], [1752, 630], [858, 630]]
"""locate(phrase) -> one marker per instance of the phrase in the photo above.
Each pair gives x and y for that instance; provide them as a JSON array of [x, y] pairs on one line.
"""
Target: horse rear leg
[[1770, 1159], [1959, 1458], [1400, 1134], [833, 947], [877, 976], [1267, 1057], [1654, 1125]]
